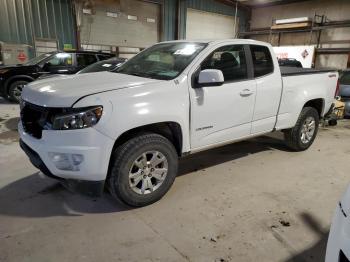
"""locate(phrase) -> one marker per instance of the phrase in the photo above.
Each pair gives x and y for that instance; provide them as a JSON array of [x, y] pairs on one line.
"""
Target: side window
[[104, 57], [84, 60], [61, 59], [262, 61], [230, 60]]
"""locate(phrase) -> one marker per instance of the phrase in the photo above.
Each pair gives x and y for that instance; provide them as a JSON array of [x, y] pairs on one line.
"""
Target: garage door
[[126, 23], [205, 25]]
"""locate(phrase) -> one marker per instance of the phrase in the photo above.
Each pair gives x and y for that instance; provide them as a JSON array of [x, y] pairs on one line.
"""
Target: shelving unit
[[317, 25]]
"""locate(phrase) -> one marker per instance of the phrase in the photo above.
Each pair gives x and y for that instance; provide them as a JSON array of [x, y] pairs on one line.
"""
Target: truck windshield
[[162, 61]]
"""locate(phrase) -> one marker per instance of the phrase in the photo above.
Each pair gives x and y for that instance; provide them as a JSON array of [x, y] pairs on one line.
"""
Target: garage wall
[[213, 7], [23, 21], [207, 25], [172, 8], [136, 24], [335, 10]]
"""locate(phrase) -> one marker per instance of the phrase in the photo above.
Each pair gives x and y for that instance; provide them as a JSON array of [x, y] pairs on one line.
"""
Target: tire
[[15, 90], [128, 162], [294, 136]]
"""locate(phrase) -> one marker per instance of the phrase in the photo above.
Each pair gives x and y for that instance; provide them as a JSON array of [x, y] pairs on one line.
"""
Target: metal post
[[235, 26], [320, 31]]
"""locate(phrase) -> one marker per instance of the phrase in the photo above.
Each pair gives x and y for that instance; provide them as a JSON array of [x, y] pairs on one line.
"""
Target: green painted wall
[[23, 20]]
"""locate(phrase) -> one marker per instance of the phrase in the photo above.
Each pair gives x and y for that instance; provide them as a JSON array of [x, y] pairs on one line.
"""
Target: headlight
[[78, 118]]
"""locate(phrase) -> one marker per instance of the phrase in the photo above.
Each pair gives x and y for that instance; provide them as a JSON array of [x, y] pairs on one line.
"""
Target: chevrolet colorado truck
[[126, 129]]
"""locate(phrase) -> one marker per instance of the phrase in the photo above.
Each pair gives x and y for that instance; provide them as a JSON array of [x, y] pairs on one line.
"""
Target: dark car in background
[[106, 65], [290, 62], [344, 90], [14, 77]]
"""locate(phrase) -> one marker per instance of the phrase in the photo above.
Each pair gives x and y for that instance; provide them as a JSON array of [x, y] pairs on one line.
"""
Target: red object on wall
[[21, 56]]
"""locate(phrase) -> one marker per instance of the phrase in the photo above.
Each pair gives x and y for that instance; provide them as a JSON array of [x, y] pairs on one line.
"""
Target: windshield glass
[[37, 59], [101, 66], [162, 61], [345, 78]]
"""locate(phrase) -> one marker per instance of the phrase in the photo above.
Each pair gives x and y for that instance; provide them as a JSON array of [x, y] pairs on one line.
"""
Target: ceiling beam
[[277, 2], [233, 4]]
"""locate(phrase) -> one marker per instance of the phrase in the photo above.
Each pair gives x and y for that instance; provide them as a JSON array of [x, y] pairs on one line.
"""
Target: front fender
[[129, 108]]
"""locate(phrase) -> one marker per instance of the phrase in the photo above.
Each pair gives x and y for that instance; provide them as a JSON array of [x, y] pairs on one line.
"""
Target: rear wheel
[[143, 170], [303, 134], [15, 90]]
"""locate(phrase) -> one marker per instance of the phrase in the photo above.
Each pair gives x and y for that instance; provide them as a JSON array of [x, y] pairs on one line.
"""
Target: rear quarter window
[[104, 57], [262, 60]]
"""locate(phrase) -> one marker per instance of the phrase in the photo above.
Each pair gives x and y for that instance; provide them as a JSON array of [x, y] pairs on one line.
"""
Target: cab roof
[[219, 41]]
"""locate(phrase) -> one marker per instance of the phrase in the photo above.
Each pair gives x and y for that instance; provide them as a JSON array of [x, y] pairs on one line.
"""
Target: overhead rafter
[[233, 4], [260, 3]]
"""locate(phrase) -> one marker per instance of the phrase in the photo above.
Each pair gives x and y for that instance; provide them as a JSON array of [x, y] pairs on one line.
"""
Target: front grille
[[33, 118]]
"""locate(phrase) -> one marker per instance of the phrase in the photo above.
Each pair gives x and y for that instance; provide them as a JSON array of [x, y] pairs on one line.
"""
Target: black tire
[[293, 136], [124, 158], [15, 90], [332, 122]]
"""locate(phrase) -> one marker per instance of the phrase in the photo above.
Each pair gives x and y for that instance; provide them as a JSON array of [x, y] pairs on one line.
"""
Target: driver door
[[60, 63], [223, 113]]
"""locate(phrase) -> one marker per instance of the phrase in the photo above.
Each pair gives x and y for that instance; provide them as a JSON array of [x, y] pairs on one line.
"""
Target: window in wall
[[230, 60], [262, 61]]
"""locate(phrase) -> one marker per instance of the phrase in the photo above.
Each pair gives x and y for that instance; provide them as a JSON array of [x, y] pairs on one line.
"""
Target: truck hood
[[345, 201], [64, 91]]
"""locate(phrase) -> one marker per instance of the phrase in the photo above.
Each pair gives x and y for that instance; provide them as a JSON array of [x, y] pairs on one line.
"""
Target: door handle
[[246, 92]]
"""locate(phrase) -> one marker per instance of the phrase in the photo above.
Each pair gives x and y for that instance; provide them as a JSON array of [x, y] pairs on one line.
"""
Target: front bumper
[[338, 248], [90, 188], [94, 147]]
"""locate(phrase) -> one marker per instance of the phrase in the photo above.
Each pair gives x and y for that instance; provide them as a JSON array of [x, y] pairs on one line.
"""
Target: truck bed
[[301, 85], [292, 71]]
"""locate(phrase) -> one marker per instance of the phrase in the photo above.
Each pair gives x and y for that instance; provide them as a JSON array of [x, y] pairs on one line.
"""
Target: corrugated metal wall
[[23, 20], [169, 20]]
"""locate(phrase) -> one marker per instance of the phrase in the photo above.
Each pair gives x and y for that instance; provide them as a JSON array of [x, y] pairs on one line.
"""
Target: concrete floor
[[250, 201]]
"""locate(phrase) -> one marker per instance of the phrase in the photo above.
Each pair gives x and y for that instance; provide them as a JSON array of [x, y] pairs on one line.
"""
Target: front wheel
[[303, 134], [143, 170], [15, 90]]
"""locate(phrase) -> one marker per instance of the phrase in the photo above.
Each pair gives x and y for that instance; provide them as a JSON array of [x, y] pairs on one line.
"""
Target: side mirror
[[210, 77]]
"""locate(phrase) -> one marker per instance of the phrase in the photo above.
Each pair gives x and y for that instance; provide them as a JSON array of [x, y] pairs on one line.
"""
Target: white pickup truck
[[127, 128]]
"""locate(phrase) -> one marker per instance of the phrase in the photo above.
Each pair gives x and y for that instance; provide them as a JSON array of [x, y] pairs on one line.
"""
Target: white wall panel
[[206, 25], [119, 30]]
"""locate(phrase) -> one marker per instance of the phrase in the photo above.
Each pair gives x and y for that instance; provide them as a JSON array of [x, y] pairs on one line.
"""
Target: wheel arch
[[170, 130], [16, 78], [318, 104]]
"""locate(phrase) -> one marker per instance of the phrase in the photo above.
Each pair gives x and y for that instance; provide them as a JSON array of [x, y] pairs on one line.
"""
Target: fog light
[[68, 162]]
